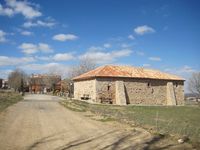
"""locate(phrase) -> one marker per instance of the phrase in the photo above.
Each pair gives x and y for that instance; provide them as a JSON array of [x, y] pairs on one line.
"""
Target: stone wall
[[144, 91], [105, 87], [152, 92], [85, 87], [120, 96], [137, 91], [179, 92], [171, 98]]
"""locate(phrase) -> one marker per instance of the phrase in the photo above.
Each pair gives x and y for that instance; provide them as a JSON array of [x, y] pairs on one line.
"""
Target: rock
[[180, 141], [183, 139]]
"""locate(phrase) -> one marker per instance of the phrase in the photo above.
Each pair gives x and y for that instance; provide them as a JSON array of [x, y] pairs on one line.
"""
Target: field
[[8, 98], [176, 121]]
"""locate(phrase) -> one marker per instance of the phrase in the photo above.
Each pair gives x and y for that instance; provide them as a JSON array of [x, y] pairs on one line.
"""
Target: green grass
[[8, 98], [173, 120]]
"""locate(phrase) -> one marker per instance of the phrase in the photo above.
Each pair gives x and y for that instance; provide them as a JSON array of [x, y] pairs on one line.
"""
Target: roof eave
[[92, 77]]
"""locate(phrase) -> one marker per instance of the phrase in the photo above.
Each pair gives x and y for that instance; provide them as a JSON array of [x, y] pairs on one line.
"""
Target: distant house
[[3, 83], [129, 85], [44, 83]]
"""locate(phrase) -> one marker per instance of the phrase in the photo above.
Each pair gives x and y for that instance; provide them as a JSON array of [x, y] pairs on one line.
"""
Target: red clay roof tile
[[127, 72]]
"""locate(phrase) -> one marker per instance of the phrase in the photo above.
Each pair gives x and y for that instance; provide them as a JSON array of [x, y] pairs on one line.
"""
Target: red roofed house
[[44, 83], [129, 85]]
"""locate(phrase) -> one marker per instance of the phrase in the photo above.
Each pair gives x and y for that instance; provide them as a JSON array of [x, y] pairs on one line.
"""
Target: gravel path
[[40, 122]]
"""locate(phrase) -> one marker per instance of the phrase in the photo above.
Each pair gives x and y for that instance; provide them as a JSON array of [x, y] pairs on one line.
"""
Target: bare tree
[[46, 81], [194, 84], [17, 80], [85, 65], [52, 80]]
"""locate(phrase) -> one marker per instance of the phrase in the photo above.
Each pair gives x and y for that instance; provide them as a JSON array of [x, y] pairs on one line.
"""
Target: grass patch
[[8, 98], [173, 120], [73, 106], [107, 119]]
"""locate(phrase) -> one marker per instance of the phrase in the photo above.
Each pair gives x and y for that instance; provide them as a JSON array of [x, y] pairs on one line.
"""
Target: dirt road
[[40, 122]]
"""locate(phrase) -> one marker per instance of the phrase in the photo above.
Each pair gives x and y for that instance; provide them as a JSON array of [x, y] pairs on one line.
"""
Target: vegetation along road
[[40, 122]]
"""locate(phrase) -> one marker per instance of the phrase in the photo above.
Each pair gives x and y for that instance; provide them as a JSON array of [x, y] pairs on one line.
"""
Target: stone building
[[129, 85]]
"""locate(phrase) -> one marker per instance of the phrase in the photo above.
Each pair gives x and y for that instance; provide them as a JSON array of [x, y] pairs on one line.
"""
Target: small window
[[108, 87], [148, 84], [176, 84]]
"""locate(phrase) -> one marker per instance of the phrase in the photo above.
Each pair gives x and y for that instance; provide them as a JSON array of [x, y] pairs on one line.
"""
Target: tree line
[[19, 80]]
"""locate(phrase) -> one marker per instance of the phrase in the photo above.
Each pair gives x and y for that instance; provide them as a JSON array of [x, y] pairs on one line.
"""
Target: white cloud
[[121, 53], [26, 33], [25, 8], [10, 61], [155, 58], [4, 73], [39, 23], [45, 48], [98, 57], [40, 67], [43, 58], [141, 30], [146, 65], [65, 37], [105, 57], [107, 45], [63, 57], [54, 68], [184, 71], [29, 48], [131, 37], [95, 48], [2, 36], [57, 57], [6, 11]]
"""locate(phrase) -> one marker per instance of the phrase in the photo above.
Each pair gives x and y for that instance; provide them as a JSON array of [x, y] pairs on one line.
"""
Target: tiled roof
[[127, 72]]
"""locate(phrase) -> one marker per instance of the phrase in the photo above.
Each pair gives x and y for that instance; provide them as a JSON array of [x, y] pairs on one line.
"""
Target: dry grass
[[173, 120], [8, 98]]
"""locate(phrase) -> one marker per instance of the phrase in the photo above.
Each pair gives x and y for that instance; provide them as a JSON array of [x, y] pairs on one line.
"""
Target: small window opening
[[176, 84], [108, 87], [148, 84]]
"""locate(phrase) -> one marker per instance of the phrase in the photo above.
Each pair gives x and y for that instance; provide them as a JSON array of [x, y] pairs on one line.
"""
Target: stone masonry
[[120, 93], [132, 91], [123, 85], [85, 87]]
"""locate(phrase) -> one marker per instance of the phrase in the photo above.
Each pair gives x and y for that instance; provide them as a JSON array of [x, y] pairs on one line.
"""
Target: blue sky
[[50, 36]]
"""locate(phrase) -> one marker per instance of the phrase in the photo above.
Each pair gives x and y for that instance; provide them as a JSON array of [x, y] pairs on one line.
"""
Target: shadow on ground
[[112, 140]]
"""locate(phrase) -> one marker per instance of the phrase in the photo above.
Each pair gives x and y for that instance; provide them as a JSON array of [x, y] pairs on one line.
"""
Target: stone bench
[[85, 97]]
